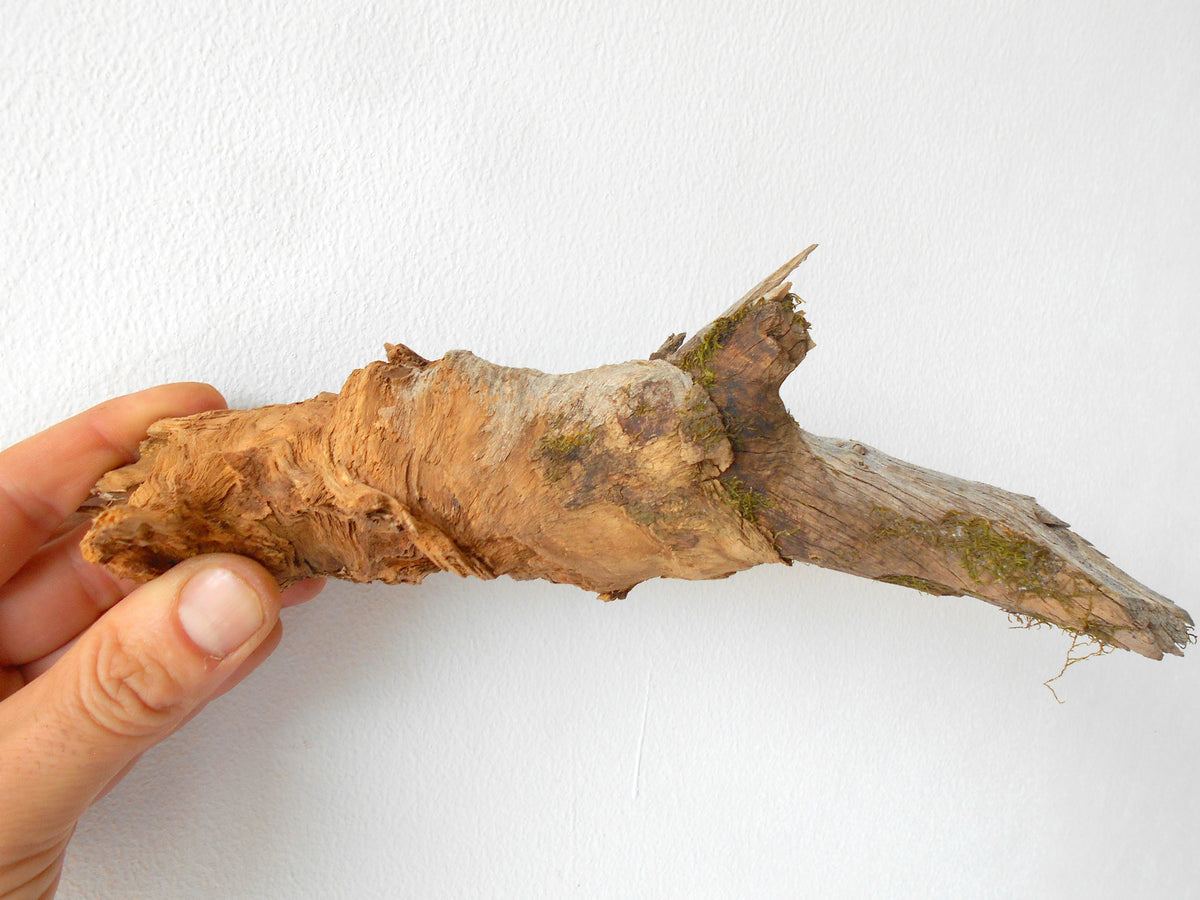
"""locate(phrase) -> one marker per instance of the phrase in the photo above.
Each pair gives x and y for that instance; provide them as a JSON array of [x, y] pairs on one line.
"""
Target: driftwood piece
[[683, 465]]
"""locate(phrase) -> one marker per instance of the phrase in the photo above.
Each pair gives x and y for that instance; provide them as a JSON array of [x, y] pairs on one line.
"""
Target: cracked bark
[[683, 465]]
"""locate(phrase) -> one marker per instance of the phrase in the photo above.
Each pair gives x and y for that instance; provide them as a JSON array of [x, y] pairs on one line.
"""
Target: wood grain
[[683, 465]]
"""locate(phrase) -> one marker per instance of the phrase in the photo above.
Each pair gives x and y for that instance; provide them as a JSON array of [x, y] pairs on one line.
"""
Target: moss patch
[[792, 304], [557, 450], [746, 499], [984, 550], [739, 432], [992, 554], [701, 424], [698, 360]]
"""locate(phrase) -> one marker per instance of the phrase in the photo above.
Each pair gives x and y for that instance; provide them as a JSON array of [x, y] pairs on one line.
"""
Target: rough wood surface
[[683, 465]]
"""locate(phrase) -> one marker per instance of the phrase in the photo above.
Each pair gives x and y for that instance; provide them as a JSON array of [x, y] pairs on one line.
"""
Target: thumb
[[127, 683]]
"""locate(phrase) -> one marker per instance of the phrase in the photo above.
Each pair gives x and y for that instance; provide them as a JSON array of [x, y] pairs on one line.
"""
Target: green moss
[[983, 550], [792, 304], [558, 450], [991, 554], [697, 360], [701, 423], [1012, 559], [745, 498], [736, 431]]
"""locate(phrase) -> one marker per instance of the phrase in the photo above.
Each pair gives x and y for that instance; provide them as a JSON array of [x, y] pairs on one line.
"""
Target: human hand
[[94, 671]]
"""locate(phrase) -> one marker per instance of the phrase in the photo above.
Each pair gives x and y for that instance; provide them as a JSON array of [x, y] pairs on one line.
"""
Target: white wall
[[259, 194]]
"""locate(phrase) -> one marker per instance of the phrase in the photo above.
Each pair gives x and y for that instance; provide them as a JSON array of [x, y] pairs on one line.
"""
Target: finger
[[38, 873], [301, 591], [82, 516], [248, 665], [41, 666], [58, 593], [127, 683], [43, 479], [11, 681], [52, 598]]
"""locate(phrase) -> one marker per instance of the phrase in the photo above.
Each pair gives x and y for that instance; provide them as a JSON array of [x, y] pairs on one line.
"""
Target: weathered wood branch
[[684, 465]]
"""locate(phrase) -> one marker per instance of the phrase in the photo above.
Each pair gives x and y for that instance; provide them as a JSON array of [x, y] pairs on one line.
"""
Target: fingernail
[[219, 611]]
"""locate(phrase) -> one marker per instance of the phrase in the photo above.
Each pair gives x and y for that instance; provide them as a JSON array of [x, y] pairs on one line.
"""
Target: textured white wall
[[259, 194]]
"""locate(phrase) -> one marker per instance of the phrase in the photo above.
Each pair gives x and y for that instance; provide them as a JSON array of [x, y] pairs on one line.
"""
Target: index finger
[[43, 479]]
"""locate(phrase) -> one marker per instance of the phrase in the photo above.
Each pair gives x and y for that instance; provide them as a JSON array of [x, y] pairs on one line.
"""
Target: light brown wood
[[684, 465]]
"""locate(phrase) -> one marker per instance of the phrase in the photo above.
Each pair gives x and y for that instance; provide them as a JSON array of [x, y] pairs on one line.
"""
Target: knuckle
[[125, 693]]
